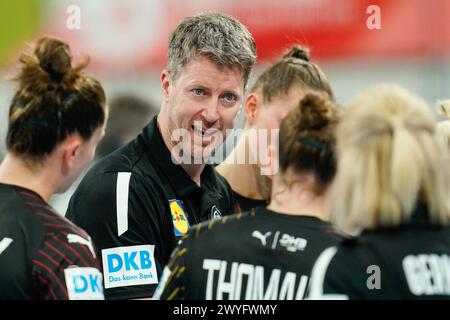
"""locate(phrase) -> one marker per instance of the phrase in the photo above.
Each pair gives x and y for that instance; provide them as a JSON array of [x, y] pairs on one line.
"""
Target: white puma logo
[[260, 236], [74, 238], [5, 244]]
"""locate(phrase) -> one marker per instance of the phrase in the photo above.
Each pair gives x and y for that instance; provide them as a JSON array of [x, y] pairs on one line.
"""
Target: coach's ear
[[165, 83], [252, 104]]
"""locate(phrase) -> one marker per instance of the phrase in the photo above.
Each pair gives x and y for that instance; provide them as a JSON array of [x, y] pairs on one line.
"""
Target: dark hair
[[293, 68], [128, 114], [307, 139], [54, 100]]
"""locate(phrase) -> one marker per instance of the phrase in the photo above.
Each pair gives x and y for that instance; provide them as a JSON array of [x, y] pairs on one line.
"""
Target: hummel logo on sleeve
[[5, 244], [74, 238]]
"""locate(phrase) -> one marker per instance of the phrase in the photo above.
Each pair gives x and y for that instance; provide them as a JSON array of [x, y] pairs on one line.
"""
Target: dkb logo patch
[[129, 266]]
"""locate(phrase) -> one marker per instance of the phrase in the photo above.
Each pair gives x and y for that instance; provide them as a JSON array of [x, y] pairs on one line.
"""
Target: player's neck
[[15, 171], [243, 177], [298, 199]]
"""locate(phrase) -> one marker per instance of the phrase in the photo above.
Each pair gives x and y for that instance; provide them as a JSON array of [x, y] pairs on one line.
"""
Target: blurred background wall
[[127, 40]]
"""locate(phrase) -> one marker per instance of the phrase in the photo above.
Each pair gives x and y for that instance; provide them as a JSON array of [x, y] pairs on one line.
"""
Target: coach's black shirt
[[411, 261], [260, 255], [136, 203], [42, 254]]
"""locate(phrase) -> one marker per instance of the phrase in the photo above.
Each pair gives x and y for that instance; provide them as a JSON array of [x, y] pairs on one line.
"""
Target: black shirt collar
[[419, 218], [23, 189], [306, 219], [178, 178]]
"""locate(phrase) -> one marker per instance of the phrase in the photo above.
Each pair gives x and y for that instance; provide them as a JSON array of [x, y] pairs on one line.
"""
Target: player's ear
[[272, 164], [252, 104], [445, 108], [70, 149]]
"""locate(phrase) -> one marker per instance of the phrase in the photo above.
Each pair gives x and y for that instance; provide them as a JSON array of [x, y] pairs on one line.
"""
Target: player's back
[[410, 261], [42, 254], [258, 255], [19, 233]]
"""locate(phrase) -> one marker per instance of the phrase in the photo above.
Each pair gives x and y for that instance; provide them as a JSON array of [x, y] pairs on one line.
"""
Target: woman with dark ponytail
[[56, 119], [268, 253]]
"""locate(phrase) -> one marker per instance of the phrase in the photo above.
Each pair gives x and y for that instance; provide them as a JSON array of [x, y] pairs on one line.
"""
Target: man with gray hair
[[137, 202]]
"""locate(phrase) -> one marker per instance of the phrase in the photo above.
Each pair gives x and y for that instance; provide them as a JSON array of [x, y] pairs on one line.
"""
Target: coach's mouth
[[206, 136]]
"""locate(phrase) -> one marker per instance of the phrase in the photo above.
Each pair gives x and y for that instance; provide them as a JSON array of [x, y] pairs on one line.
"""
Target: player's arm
[[320, 275], [172, 283], [65, 267], [338, 275]]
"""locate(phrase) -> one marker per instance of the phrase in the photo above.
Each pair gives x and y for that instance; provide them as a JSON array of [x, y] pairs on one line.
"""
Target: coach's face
[[202, 101]]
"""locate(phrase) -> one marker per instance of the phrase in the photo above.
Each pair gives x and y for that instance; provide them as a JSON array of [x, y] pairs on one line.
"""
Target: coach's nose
[[211, 113]]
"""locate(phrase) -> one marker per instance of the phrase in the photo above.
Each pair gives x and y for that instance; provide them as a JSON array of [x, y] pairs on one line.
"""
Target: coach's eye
[[230, 97], [198, 92]]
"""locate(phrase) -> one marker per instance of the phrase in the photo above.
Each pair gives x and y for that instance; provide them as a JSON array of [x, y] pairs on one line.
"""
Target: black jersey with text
[[244, 204], [261, 255], [136, 203], [42, 254], [411, 261]]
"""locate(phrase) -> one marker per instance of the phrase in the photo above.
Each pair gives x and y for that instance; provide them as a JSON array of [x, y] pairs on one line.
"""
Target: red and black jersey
[[42, 254]]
